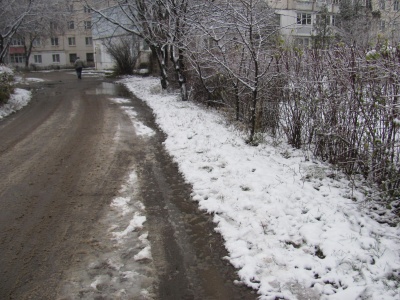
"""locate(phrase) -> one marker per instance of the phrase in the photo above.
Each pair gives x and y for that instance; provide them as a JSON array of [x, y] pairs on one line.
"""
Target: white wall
[[102, 60], [288, 21], [47, 59]]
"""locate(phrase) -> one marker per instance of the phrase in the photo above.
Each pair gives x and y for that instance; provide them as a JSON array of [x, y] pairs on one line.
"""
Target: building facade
[[62, 44], [298, 18], [105, 32]]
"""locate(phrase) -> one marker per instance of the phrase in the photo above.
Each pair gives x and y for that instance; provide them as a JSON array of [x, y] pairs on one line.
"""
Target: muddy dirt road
[[63, 159]]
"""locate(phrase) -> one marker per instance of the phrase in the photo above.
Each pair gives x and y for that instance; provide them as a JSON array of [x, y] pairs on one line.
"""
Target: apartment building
[[62, 44], [298, 18], [389, 19]]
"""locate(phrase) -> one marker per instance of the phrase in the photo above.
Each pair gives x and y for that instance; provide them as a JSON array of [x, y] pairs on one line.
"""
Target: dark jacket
[[78, 64]]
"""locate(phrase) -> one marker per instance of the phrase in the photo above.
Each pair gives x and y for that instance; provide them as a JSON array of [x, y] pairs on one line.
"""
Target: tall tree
[[323, 33], [355, 22], [161, 24], [44, 18], [12, 15], [238, 36]]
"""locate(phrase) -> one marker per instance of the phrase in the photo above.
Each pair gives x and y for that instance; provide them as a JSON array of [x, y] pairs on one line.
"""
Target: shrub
[[6, 86], [123, 52]]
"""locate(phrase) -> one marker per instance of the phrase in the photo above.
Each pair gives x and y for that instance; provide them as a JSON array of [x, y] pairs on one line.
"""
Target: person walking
[[78, 67]]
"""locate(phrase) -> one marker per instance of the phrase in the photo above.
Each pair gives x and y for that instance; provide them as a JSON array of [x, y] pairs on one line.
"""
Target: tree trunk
[[159, 53], [253, 116], [2, 52], [179, 69], [237, 100]]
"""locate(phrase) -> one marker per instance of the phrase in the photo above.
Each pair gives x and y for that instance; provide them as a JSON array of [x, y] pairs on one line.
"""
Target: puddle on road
[[106, 88]]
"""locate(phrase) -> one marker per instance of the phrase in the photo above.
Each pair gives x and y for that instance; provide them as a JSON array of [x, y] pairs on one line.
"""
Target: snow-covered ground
[[294, 228], [18, 99], [290, 225]]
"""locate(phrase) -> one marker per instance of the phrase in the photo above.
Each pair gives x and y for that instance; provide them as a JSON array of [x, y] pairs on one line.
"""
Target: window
[[17, 42], [88, 41], [71, 41], [72, 58], [88, 24], [71, 25], [54, 41], [382, 25], [304, 19], [337, 2], [89, 57], [37, 59], [56, 58], [87, 10], [303, 42], [36, 42], [396, 5], [70, 7], [17, 58], [333, 20], [382, 4], [53, 26]]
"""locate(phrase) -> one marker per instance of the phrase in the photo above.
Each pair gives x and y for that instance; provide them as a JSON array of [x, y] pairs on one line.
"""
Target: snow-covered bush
[[344, 107], [6, 84], [340, 103]]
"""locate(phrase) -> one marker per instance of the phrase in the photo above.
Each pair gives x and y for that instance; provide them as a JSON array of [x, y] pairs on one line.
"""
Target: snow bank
[[290, 226], [18, 100]]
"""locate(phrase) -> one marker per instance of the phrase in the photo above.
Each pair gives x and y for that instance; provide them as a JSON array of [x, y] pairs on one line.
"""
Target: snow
[[143, 254], [130, 239], [4, 69], [18, 100], [27, 80], [293, 228], [140, 128]]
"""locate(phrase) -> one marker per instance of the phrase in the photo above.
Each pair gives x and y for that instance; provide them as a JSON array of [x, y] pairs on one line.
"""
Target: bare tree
[[124, 51], [44, 18], [235, 37], [12, 16], [161, 24]]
